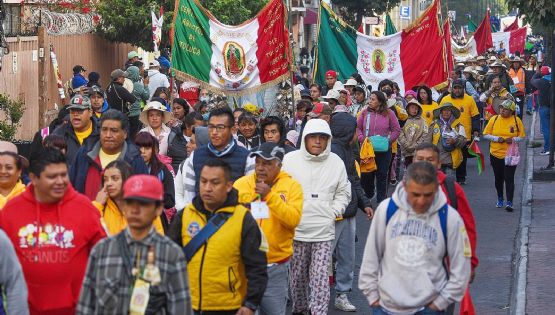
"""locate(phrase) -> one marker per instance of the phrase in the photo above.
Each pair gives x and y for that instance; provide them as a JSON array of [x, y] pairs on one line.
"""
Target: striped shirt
[[107, 286]]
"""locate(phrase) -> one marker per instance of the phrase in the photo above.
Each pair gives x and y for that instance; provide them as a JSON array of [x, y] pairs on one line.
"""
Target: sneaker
[[499, 203], [544, 153], [393, 182], [342, 303], [509, 206]]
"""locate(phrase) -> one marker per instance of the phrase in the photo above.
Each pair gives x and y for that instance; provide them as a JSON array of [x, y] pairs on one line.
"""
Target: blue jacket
[[78, 81], [86, 157]]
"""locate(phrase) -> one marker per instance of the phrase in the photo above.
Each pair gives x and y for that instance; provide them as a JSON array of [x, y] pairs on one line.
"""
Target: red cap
[[331, 73], [143, 188], [545, 70], [320, 109]]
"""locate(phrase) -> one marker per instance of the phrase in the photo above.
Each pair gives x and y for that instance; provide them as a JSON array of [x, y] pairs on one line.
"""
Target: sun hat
[[351, 82], [6, 146], [456, 112], [154, 105], [332, 95]]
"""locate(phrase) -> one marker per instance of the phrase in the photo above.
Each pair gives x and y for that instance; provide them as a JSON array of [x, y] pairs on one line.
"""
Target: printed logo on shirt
[[414, 238], [48, 235], [466, 243], [282, 196], [193, 229]]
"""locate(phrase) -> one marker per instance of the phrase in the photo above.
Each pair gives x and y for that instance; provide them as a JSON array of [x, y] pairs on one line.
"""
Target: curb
[[518, 294]]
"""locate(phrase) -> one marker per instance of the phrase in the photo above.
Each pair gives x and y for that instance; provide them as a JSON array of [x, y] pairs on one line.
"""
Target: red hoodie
[[464, 210], [55, 267]]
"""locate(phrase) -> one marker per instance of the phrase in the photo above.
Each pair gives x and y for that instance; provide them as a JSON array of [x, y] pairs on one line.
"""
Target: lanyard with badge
[[259, 211], [143, 277]]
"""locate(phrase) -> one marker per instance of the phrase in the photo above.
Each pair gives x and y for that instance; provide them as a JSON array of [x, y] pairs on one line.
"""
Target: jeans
[[344, 248], [544, 126], [274, 301], [378, 179], [504, 176], [427, 311]]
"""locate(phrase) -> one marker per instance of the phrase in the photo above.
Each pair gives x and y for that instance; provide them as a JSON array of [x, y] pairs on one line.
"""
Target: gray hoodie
[[11, 278], [403, 261]]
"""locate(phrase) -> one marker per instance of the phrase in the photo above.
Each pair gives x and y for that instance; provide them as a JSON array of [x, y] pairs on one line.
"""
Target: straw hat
[[154, 105]]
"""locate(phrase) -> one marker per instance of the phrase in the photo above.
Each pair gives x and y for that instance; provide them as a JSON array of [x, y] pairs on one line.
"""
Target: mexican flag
[[475, 151], [401, 57], [511, 41], [477, 44], [234, 60]]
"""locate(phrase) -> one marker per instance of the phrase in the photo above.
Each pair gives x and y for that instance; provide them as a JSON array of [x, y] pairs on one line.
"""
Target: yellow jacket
[[18, 189], [217, 273], [456, 154], [285, 201], [114, 221]]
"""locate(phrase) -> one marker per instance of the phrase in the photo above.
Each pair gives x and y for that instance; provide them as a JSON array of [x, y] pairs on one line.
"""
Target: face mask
[[204, 99]]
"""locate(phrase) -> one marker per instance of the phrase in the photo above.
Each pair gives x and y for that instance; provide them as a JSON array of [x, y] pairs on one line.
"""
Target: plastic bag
[[512, 157]]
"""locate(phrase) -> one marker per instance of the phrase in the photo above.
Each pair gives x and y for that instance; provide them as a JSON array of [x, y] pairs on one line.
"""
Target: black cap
[[95, 89], [306, 93], [269, 151]]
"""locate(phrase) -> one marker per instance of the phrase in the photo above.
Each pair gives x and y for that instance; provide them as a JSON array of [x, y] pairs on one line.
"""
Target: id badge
[[260, 210], [139, 297]]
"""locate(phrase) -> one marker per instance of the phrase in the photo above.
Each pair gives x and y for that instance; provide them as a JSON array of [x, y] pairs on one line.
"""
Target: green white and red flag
[[234, 60], [474, 150]]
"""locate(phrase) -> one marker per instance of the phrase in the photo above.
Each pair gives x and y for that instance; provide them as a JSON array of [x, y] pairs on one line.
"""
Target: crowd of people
[[135, 200]]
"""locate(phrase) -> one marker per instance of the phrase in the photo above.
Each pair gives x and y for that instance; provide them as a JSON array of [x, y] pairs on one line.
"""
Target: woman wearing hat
[[502, 130], [155, 116], [11, 167], [424, 96], [499, 69], [448, 134], [516, 72], [470, 85]]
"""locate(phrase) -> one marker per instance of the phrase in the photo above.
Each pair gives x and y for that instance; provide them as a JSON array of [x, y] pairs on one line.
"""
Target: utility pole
[[43, 57], [552, 108]]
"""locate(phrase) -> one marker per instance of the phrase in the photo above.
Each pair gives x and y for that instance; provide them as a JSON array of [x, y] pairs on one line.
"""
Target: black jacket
[[72, 144], [343, 127], [119, 98], [177, 148], [544, 88], [253, 258]]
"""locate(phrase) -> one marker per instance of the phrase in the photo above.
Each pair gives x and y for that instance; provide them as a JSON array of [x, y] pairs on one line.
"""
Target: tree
[[476, 10], [541, 16], [233, 12], [129, 21], [352, 11]]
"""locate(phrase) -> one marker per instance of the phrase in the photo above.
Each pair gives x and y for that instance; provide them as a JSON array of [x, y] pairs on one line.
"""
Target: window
[[12, 20]]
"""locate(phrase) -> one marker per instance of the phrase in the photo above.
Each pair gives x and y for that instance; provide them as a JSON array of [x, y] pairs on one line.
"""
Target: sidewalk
[[540, 288]]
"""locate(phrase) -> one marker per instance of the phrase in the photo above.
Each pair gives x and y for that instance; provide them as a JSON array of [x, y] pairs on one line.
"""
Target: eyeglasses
[[218, 128]]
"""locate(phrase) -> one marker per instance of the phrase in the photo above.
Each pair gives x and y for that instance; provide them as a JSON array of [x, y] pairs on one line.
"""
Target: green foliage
[[539, 13], [13, 110], [476, 9], [352, 11], [129, 21], [233, 12]]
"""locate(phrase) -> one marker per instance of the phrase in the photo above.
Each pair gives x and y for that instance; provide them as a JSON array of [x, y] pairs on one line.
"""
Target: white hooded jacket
[[402, 264], [327, 190]]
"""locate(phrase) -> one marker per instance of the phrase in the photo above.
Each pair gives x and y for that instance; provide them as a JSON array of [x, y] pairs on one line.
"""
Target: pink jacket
[[386, 126]]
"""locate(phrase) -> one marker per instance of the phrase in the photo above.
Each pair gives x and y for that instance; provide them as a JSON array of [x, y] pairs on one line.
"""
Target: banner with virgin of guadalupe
[[234, 60]]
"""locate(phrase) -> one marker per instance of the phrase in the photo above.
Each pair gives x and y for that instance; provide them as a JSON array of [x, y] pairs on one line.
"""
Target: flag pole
[[292, 57]]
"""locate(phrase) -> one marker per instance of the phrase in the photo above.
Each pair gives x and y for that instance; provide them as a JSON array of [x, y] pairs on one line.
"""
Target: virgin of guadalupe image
[[234, 64], [378, 63]]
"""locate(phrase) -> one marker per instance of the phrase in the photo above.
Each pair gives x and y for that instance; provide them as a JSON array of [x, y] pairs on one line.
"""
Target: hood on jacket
[[400, 198], [314, 126], [343, 126], [134, 75], [153, 72], [201, 135], [419, 113]]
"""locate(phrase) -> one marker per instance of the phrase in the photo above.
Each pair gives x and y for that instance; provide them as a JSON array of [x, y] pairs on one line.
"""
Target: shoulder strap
[[367, 123], [391, 209], [443, 222], [213, 225], [516, 124], [451, 191]]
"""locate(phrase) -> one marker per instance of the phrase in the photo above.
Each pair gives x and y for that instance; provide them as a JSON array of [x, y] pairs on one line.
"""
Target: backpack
[[392, 208]]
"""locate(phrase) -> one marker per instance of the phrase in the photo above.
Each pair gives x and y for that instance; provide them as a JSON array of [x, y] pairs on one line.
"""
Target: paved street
[[496, 235]]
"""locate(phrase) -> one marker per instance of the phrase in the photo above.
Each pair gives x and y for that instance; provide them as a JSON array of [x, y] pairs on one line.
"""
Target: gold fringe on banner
[[182, 76]]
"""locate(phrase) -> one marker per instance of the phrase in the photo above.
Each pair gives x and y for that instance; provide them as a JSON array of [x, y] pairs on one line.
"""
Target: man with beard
[[470, 119]]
